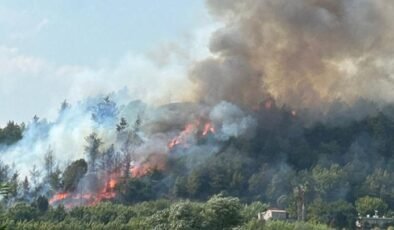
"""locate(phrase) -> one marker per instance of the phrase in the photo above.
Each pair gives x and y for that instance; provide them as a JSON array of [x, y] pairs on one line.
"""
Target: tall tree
[[129, 140], [92, 149], [4, 172], [26, 187], [54, 179], [108, 162], [49, 162], [35, 176]]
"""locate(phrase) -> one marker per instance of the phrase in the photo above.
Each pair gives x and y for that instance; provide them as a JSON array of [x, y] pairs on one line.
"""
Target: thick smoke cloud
[[303, 53]]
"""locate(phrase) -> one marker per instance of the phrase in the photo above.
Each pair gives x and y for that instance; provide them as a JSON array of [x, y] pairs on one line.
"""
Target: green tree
[[54, 179], [197, 183], [367, 205], [41, 204], [26, 187], [338, 214], [92, 150], [380, 184], [185, 216], [330, 183], [250, 211], [180, 187], [22, 212], [11, 133], [56, 215], [136, 190], [73, 173], [222, 213]]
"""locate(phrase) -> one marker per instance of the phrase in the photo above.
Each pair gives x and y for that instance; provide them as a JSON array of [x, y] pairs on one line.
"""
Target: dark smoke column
[[303, 53]]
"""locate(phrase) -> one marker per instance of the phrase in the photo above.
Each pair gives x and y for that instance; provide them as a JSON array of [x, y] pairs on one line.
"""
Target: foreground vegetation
[[217, 213]]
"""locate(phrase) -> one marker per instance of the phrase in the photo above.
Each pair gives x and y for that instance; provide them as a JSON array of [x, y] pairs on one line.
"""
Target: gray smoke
[[303, 53], [232, 121]]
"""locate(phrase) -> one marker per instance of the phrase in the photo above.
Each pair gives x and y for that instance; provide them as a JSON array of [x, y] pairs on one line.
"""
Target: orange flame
[[154, 162], [189, 130], [208, 128], [182, 137], [71, 200], [58, 197]]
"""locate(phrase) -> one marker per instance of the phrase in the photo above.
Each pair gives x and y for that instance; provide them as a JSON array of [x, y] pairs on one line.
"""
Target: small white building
[[273, 214]]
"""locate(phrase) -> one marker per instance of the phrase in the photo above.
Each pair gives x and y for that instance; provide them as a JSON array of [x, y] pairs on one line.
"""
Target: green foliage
[[380, 184], [185, 216], [22, 212], [335, 214], [54, 179], [55, 215], [41, 204], [73, 173], [92, 150], [11, 133], [277, 225], [218, 213], [329, 182], [222, 212], [367, 205], [249, 212], [136, 190]]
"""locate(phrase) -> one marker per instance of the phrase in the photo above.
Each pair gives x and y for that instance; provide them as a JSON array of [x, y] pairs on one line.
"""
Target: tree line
[[345, 169], [217, 213]]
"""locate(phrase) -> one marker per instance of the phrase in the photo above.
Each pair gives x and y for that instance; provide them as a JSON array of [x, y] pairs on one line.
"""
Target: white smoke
[[232, 121]]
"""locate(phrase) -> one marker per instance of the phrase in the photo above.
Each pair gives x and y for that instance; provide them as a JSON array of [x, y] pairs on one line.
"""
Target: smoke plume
[[303, 53]]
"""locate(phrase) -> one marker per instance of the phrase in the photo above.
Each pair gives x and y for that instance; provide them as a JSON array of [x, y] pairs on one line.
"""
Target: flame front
[[182, 137], [70, 200], [204, 128], [139, 169]]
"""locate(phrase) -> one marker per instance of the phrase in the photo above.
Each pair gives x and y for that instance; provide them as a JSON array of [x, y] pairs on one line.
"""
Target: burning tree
[[129, 140]]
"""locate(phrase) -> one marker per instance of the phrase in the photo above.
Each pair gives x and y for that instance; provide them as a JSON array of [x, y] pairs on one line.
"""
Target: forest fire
[[72, 199], [107, 190], [196, 127], [59, 197], [181, 138], [154, 162]]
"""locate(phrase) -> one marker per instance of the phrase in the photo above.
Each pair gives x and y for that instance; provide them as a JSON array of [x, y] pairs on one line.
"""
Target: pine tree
[[122, 125], [26, 186], [92, 149], [49, 162], [130, 140], [35, 174]]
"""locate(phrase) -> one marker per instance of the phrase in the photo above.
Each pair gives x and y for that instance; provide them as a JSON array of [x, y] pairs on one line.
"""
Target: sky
[[71, 49]]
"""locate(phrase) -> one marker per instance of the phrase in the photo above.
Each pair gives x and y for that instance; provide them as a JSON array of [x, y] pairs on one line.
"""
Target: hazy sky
[[52, 50]]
